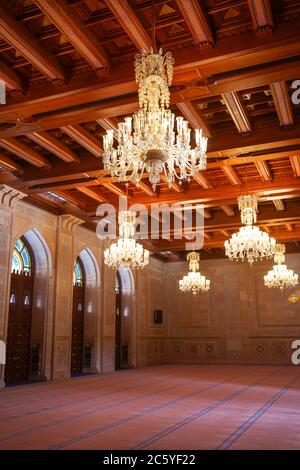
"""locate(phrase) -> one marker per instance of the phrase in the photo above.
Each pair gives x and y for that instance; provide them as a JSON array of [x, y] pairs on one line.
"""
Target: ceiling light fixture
[[126, 251], [249, 242], [148, 142], [194, 281], [280, 276]]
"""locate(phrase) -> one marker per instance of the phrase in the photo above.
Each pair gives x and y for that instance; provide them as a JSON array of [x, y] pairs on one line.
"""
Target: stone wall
[[238, 321]]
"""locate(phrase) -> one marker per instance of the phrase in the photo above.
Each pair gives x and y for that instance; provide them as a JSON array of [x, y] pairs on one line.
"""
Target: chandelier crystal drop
[[280, 276], [194, 281], [125, 251], [249, 242], [148, 142]]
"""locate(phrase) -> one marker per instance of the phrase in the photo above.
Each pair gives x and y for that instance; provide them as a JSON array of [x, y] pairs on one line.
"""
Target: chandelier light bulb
[[153, 140], [280, 276], [126, 251], [194, 281]]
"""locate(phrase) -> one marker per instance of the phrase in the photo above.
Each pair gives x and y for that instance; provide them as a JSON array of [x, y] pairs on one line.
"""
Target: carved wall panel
[[239, 321]]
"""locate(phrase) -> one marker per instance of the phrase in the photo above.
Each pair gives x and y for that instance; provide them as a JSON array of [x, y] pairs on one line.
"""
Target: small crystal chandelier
[[125, 251], [194, 282], [280, 276], [249, 242], [148, 142]]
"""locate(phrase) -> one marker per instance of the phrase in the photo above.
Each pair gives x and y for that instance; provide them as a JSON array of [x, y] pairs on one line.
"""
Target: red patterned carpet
[[162, 407]]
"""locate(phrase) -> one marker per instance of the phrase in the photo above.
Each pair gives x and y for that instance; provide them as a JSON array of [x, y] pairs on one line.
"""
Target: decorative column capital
[[70, 222], [9, 197]]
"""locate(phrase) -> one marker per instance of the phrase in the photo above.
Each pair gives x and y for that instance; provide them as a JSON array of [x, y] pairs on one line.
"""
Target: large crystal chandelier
[[125, 251], [194, 281], [280, 276], [148, 141], [249, 242]]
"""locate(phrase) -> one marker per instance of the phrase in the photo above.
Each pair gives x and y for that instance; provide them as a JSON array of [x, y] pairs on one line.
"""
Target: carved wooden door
[[118, 332], [19, 326], [77, 330]]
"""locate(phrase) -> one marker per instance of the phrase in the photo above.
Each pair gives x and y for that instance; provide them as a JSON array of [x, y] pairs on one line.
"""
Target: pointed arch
[[41, 322], [125, 319], [91, 321]]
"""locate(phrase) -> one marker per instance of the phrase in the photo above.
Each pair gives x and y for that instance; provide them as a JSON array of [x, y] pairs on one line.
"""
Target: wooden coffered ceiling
[[68, 70]]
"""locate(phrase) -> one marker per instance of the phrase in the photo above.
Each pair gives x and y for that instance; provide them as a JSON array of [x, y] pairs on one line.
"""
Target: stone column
[[9, 198], [63, 303]]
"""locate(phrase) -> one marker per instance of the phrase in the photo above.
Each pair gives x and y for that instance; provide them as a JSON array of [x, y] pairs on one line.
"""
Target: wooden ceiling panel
[[68, 69]]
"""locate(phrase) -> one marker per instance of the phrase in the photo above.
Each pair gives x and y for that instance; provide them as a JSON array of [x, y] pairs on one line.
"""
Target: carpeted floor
[[162, 407]]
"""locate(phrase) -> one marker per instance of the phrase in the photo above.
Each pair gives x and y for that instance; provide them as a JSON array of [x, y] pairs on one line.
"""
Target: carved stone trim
[[70, 222], [9, 197]]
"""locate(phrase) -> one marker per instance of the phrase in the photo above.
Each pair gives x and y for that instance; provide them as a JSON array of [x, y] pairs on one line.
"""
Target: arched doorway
[[86, 318], [20, 358], [77, 319], [118, 320], [124, 290]]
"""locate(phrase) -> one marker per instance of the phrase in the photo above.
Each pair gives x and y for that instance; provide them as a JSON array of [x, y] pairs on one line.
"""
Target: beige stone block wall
[[238, 321]]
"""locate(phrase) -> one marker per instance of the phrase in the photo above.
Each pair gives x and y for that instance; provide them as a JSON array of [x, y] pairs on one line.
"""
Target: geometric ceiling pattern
[[68, 70]]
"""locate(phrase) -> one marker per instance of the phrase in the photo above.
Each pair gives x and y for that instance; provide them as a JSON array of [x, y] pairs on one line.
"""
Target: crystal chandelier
[[249, 242], [194, 282], [125, 251], [148, 142], [280, 276]]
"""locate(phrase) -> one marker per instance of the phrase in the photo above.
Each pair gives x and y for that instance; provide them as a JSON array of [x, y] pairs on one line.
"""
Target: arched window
[[77, 274], [21, 262]]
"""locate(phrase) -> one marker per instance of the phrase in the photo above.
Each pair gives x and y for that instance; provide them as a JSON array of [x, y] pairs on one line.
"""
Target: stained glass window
[[77, 274], [21, 262]]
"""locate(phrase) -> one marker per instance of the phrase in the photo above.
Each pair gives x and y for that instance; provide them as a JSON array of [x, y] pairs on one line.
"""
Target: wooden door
[[77, 330], [19, 326], [118, 330]]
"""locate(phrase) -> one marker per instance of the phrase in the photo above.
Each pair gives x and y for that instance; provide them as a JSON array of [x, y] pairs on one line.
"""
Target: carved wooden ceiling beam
[[16, 34], [278, 187], [203, 180], [218, 241], [130, 23], [290, 227], [53, 145], [261, 15], [295, 162], [146, 189], [84, 138], [24, 152], [237, 112], [92, 194], [196, 21], [174, 185], [279, 204], [121, 82], [283, 103], [9, 77], [232, 175], [9, 164], [264, 171], [69, 23], [108, 124], [114, 189], [191, 115], [228, 210]]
